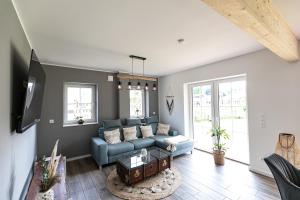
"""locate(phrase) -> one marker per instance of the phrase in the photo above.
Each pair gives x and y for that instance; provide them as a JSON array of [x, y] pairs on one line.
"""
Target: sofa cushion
[[146, 131], [163, 129], [160, 137], [122, 147], [133, 122], [102, 129], [129, 133], [150, 120], [181, 145], [112, 123], [112, 137], [143, 143]]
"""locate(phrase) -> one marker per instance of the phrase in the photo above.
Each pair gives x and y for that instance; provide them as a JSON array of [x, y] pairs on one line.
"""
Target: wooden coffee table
[[136, 168]]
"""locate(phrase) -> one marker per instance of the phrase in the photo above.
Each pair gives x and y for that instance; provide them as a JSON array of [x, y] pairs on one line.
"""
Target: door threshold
[[225, 157]]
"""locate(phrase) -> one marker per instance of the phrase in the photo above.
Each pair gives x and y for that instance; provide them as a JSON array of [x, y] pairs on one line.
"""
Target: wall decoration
[[170, 103]]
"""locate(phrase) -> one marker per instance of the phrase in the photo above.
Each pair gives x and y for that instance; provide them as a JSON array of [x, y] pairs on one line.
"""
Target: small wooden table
[[136, 168], [60, 192]]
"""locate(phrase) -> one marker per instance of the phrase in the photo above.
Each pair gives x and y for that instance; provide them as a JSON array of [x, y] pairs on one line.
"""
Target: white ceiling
[[101, 34]]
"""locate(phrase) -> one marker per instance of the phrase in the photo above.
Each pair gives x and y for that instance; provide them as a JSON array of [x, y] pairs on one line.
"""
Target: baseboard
[[261, 173], [78, 157], [27, 184]]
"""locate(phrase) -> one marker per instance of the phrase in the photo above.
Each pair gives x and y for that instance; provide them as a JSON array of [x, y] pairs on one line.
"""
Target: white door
[[202, 115], [221, 103]]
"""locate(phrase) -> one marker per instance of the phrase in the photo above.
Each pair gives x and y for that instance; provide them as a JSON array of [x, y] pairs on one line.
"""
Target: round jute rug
[[156, 187]]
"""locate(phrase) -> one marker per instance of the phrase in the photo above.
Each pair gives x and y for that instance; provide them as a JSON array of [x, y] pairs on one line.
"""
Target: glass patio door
[[202, 115], [233, 117], [221, 103]]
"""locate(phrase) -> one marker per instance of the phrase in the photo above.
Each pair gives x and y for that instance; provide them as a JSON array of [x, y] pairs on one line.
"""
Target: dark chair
[[286, 176]]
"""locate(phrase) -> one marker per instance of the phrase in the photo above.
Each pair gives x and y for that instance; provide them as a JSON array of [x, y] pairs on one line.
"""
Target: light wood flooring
[[201, 180]]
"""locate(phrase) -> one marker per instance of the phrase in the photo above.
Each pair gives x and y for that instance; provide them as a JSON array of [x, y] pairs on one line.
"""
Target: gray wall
[[272, 90], [124, 111], [74, 141], [17, 151]]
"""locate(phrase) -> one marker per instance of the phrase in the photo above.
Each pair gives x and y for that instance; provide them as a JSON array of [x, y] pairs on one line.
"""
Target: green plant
[[220, 135]]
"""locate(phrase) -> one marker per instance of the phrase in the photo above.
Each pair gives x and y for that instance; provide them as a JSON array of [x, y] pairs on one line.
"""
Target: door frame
[[215, 103]]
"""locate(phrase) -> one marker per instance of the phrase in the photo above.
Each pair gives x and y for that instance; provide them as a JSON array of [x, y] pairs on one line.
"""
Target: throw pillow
[[146, 131], [112, 137], [163, 129], [129, 133]]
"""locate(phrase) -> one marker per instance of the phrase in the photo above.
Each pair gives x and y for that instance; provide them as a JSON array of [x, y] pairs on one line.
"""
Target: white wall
[[17, 151], [273, 89]]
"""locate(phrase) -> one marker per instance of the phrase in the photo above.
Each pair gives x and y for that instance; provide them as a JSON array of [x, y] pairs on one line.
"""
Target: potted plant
[[219, 136], [80, 120]]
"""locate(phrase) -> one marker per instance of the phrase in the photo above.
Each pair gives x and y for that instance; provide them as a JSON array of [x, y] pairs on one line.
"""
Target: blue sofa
[[104, 153]]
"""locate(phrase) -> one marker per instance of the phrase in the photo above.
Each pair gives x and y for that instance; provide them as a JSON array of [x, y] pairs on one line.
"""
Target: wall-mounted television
[[32, 103]]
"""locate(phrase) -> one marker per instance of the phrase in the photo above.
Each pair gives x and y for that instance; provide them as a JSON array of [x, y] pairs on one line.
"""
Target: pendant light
[[154, 87], [138, 85], [129, 82], [120, 85], [146, 85]]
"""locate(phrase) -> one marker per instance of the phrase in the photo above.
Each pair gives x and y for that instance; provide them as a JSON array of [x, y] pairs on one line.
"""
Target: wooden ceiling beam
[[260, 19], [135, 77]]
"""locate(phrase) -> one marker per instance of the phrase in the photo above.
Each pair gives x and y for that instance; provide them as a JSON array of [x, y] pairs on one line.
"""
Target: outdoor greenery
[[220, 135]]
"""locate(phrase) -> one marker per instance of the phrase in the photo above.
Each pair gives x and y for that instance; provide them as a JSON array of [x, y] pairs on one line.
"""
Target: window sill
[[85, 124]]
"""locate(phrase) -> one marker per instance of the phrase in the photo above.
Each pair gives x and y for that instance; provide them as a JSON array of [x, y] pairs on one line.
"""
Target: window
[[137, 103], [80, 102]]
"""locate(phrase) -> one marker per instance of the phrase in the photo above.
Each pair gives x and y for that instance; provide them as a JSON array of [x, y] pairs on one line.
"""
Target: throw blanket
[[177, 139]]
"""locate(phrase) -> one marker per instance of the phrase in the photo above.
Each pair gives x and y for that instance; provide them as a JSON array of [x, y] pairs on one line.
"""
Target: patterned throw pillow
[[129, 133], [112, 137], [163, 129], [146, 131]]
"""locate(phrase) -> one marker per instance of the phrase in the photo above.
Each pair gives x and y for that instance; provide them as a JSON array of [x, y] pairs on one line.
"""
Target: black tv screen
[[32, 103]]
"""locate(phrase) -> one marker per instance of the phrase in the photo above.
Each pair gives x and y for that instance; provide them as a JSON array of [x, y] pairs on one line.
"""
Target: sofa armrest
[[173, 132], [99, 150]]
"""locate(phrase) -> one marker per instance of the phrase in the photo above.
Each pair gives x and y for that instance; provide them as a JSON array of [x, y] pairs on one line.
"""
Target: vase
[[219, 157], [144, 152], [48, 195]]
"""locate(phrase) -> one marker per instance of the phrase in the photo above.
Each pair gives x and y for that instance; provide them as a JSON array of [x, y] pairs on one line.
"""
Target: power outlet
[[51, 121], [262, 120]]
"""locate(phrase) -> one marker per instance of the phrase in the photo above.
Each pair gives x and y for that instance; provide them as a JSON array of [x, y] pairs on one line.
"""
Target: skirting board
[[78, 157], [261, 173]]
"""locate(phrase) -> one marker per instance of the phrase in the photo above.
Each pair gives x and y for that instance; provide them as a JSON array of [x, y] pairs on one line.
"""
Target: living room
[[149, 100]]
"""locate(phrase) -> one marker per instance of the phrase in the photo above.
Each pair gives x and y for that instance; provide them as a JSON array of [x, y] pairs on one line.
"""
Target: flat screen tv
[[32, 103]]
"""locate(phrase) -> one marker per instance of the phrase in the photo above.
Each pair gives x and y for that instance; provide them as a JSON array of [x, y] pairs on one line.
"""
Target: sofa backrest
[[109, 125], [153, 121]]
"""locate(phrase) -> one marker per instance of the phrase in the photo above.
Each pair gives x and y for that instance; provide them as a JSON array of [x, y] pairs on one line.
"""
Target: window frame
[[94, 87], [143, 104]]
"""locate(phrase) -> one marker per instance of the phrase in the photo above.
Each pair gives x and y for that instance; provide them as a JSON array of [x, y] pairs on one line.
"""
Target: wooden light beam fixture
[[260, 19], [135, 77]]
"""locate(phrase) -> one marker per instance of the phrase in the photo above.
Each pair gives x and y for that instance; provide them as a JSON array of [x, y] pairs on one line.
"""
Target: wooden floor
[[201, 180]]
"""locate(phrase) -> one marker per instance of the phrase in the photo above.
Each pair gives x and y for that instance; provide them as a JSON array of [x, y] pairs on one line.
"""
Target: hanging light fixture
[[120, 85], [146, 85], [138, 85], [129, 82], [154, 88]]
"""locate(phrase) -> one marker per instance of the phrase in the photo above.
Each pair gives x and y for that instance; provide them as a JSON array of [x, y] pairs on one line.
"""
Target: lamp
[[146, 86], [129, 85], [138, 85], [129, 82], [154, 87], [120, 85]]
